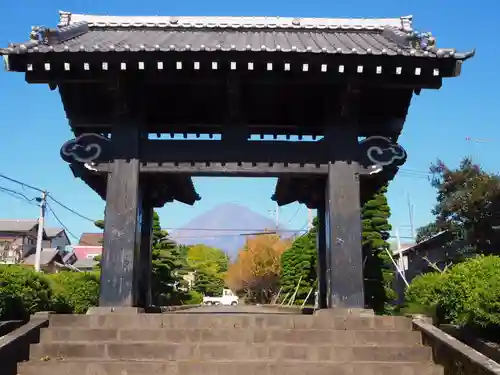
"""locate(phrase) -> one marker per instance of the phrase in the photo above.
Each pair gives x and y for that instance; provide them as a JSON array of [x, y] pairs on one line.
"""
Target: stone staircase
[[229, 344]]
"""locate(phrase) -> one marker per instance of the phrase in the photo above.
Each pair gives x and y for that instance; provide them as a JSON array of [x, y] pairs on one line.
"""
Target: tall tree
[[256, 270], [299, 264], [210, 265], [426, 232], [208, 258], [208, 283], [468, 199], [378, 270]]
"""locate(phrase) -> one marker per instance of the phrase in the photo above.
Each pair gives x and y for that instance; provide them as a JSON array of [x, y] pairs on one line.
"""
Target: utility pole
[[309, 219], [410, 212], [39, 237], [398, 240], [398, 248], [277, 215]]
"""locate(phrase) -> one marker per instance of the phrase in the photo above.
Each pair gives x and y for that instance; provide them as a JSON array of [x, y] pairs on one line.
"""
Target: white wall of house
[[15, 246]]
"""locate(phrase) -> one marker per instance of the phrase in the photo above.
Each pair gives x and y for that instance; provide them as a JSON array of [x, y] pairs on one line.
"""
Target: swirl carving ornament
[[85, 148], [381, 151]]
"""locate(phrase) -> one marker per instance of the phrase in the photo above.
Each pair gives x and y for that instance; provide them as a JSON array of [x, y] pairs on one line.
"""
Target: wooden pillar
[[344, 236], [322, 259], [120, 258], [145, 298]]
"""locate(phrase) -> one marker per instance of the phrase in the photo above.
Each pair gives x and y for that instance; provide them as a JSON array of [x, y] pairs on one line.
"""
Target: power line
[[18, 195], [295, 214], [61, 223], [65, 227], [21, 183], [70, 209], [230, 229]]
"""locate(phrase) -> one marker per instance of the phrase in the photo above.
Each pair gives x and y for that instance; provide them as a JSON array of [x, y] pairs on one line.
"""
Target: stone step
[[174, 335], [224, 368], [216, 321], [223, 351]]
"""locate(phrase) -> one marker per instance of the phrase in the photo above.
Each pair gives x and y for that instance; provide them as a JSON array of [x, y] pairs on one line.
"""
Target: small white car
[[228, 299]]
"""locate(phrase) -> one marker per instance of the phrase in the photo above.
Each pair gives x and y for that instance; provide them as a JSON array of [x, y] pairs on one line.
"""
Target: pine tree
[[378, 270], [299, 263], [208, 283], [166, 266]]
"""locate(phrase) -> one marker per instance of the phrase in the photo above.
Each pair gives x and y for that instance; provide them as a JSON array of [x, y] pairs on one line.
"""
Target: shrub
[[193, 298], [22, 292], [471, 293], [425, 290], [467, 294], [74, 292]]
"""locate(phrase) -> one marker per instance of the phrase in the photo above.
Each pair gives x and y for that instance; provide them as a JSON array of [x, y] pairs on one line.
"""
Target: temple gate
[[131, 85]]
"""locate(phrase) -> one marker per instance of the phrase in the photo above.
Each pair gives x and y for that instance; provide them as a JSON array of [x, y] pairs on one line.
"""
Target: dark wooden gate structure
[[152, 101]]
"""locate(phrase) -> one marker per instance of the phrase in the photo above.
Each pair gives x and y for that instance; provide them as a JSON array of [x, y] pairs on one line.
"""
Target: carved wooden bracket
[[86, 148], [377, 153]]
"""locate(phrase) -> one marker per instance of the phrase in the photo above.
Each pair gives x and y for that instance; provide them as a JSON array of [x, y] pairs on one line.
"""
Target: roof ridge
[[401, 23]]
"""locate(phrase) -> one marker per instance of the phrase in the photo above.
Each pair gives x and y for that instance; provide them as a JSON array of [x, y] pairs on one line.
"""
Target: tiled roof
[[91, 239], [53, 232], [12, 225], [88, 33], [46, 256], [85, 263]]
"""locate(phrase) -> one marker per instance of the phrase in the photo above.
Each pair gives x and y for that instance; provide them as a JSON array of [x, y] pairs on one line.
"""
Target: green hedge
[[467, 294], [74, 292], [22, 292]]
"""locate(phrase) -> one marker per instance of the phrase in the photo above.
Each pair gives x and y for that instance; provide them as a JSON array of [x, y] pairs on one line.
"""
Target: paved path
[[239, 309]]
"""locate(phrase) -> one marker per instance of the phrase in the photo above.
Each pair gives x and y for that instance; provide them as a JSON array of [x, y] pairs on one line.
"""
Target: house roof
[[17, 225], [441, 236], [85, 263], [91, 239], [89, 33], [53, 232], [46, 256]]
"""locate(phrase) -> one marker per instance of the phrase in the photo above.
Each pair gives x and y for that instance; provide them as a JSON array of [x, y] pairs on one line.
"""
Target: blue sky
[[34, 124]]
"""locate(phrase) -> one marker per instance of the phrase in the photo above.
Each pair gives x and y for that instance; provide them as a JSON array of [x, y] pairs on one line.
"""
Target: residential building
[[85, 265], [51, 260], [17, 239], [57, 238], [435, 253], [89, 246]]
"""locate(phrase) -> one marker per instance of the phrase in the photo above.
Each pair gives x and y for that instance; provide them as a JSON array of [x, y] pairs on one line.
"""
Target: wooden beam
[[378, 71], [227, 169], [250, 151]]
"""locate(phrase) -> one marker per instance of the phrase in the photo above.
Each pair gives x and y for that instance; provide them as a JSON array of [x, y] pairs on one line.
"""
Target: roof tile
[[13, 225], [209, 40], [89, 33], [91, 239]]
